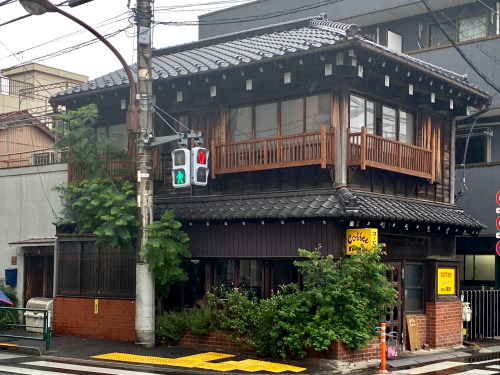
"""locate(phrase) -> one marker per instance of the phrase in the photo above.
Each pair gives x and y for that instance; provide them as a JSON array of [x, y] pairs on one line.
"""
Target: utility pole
[[145, 286]]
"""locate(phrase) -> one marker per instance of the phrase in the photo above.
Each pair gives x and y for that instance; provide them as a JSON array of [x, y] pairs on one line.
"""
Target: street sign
[[498, 223], [498, 198], [498, 248]]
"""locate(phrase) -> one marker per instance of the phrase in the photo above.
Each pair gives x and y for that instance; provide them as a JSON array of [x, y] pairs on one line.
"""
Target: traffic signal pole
[[145, 287]]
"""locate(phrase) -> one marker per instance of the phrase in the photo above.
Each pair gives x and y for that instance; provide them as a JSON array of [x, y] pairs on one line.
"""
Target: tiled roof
[[244, 48], [331, 203]]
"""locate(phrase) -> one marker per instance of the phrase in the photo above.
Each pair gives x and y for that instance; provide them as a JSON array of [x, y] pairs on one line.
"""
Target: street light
[[39, 7]]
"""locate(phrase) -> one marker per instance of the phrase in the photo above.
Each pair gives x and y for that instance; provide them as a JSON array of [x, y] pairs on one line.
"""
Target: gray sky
[[35, 37]]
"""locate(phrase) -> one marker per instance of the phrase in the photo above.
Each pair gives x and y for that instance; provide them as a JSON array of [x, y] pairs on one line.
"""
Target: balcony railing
[[367, 150], [121, 169], [278, 152], [27, 158]]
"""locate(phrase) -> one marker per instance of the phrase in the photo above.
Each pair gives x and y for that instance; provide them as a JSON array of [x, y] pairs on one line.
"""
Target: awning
[[31, 242]]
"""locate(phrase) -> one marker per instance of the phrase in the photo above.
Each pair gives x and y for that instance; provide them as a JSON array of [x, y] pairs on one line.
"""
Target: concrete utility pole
[[145, 286]]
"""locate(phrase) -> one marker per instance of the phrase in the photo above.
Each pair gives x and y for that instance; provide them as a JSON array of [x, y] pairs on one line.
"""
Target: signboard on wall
[[446, 281], [367, 237], [498, 223]]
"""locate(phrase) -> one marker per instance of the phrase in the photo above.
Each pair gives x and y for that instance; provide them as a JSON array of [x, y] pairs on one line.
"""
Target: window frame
[[456, 35], [422, 287], [279, 103]]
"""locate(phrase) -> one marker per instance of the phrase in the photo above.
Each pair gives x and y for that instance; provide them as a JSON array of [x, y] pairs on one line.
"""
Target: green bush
[[340, 300], [8, 316], [170, 325]]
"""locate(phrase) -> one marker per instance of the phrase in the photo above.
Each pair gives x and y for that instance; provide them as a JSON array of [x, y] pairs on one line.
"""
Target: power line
[[460, 52]]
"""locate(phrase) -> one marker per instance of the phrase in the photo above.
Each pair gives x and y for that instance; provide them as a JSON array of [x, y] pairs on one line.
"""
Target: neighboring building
[[312, 130], [29, 169], [406, 25]]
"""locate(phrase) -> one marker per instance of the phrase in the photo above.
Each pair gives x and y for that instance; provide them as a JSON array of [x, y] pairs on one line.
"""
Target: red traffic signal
[[199, 166]]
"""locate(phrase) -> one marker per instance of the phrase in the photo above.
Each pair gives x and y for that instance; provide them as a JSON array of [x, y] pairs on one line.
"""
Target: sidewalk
[[179, 359]]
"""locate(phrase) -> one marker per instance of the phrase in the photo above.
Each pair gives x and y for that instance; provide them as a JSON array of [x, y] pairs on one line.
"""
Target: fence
[[9, 319], [485, 306]]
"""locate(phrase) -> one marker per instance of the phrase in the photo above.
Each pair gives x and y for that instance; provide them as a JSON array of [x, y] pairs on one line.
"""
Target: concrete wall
[[483, 183], [26, 211]]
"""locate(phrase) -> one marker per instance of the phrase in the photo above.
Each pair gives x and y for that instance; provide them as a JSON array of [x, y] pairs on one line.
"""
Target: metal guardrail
[[13, 314], [485, 313]]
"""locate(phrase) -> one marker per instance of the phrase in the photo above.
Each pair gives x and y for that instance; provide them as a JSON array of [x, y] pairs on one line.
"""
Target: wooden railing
[[367, 150], [121, 169], [278, 152], [34, 157]]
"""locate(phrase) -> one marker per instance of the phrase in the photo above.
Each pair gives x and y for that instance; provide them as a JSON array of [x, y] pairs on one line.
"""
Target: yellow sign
[[96, 306], [367, 237], [446, 281]]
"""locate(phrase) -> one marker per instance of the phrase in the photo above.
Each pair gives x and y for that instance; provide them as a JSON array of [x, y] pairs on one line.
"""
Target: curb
[[29, 350]]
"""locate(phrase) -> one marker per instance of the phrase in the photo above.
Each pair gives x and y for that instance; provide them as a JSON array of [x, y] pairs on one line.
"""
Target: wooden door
[[393, 318], [39, 276]]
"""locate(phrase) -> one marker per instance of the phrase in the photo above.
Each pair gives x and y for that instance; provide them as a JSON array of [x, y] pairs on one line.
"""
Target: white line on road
[[71, 367]]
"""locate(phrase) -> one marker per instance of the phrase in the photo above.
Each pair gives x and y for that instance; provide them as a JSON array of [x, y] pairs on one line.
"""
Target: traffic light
[[181, 168], [199, 166]]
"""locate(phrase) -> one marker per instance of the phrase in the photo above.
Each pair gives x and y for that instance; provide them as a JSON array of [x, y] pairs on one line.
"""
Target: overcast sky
[[33, 38]]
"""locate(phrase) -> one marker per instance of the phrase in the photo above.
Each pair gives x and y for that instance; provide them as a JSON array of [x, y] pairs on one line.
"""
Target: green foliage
[[8, 316], [165, 249], [90, 155], [171, 324], [105, 209], [340, 300]]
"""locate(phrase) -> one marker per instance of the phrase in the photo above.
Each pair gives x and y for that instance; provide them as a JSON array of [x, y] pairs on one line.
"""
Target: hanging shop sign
[[446, 281], [366, 237]]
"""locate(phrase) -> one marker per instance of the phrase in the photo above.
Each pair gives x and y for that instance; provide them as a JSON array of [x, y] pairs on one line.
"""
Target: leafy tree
[[164, 251]]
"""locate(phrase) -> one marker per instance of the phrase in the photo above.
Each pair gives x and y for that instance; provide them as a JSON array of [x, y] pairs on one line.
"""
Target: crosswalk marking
[[10, 356], [27, 371], [429, 368], [477, 372], [71, 367]]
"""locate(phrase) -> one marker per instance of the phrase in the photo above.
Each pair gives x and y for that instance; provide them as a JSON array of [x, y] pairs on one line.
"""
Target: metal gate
[[485, 306]]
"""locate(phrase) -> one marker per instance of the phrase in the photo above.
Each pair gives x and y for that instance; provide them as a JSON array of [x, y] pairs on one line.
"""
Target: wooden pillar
[[341, 133]]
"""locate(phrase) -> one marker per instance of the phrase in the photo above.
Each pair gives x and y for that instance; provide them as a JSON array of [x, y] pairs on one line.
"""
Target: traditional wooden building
[[313, 130]]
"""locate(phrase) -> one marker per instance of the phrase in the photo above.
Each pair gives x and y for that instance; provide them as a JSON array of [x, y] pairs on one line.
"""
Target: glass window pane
[[225, 273], [357, 113], [370, 117], [471, 28], [414, 300], [485, 267], [388, 123], [240, 124], [469, 267], [406, 127], [414, 275], [292, 116], [266, 118], [438, 38], [250, 276], [317, 112], [119, 135]]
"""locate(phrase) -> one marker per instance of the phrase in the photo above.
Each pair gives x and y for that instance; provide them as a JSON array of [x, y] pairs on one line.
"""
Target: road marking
[[10, 356], [477, 372], [71, 367], [430, 368], [203, 361]]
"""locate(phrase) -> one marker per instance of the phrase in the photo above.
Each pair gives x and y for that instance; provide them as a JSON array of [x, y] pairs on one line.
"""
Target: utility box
[[11, 276], [34, 319]]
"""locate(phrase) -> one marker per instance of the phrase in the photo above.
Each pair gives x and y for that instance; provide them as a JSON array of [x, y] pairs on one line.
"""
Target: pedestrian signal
[[181, 165], [199, 166]]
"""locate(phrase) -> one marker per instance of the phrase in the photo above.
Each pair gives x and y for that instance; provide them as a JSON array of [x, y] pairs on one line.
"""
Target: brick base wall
[[444, 323], [114, 320], [221, 341]]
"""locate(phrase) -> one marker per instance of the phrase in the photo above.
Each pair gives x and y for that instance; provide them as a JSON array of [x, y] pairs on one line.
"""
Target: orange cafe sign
[[367, 237], [446, 280]]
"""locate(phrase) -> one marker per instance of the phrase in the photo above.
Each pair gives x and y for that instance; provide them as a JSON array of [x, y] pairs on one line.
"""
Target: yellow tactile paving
[[203, 361]]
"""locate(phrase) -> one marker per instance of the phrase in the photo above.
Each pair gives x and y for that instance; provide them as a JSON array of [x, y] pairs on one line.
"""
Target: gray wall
[[483, 183], [26, 211]]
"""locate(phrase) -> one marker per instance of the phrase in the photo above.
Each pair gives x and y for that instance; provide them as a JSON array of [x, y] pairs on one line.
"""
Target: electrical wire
[[460, 52], [173, 118]]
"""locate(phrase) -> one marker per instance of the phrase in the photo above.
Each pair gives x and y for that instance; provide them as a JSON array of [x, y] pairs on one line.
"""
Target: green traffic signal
[[180, 176]]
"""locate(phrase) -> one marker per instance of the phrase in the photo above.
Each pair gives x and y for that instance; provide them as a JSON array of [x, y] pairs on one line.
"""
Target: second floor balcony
[[318, 148]]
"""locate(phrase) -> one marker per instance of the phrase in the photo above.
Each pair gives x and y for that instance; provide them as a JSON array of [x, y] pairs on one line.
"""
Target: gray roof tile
[[330, 203], [241, 49]]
